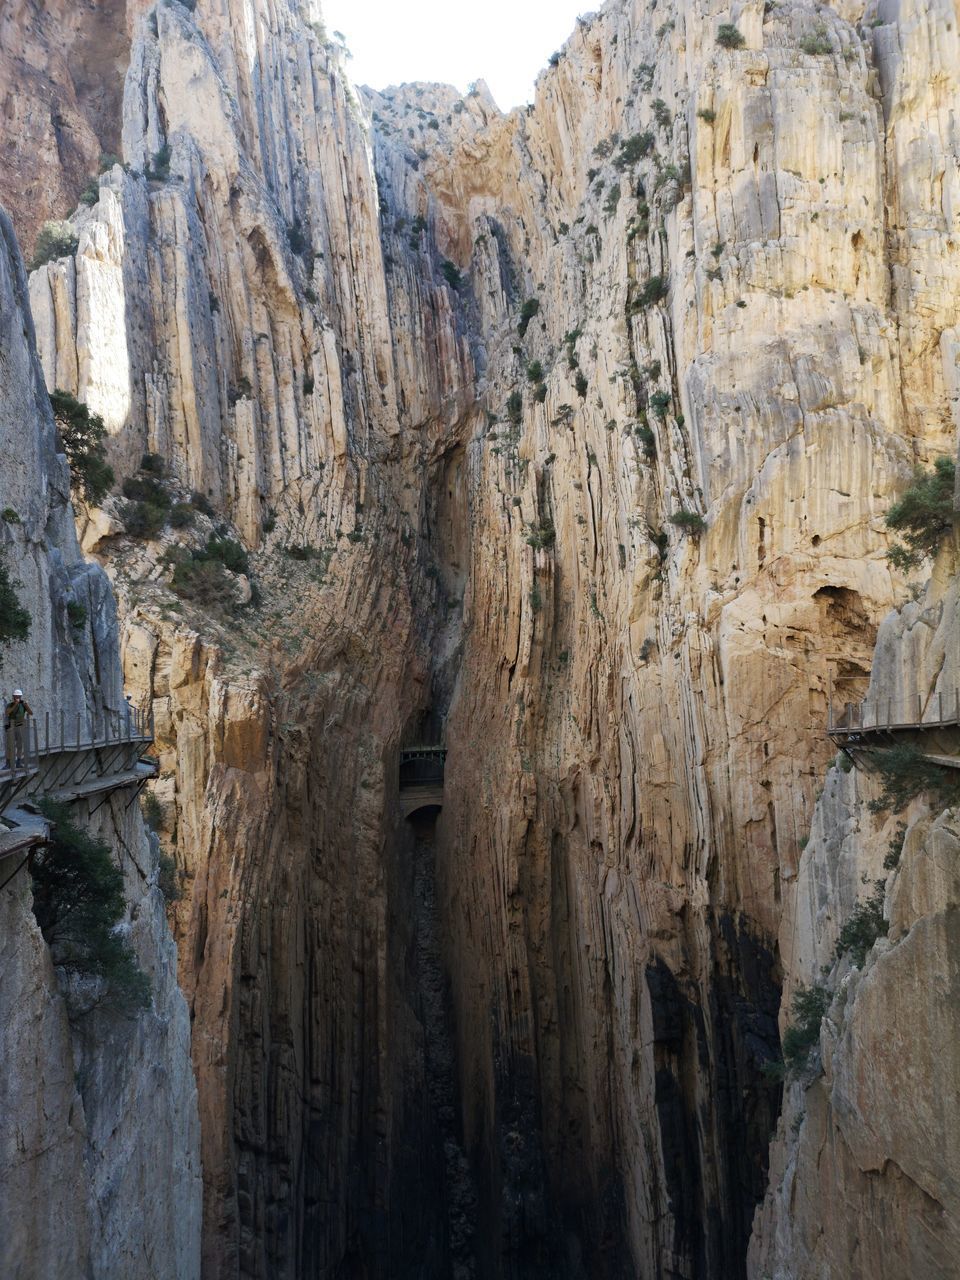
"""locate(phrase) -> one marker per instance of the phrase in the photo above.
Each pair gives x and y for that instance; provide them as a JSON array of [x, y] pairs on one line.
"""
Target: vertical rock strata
[[470, 369], [99, 1172], [864, 1165]]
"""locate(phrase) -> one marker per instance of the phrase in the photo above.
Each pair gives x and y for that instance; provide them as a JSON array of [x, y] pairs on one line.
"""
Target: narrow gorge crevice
[[458, 1194]]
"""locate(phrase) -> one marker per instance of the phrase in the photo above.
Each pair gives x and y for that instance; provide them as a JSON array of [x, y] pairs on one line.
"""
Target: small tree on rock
[[924, 515], [81, 435], [14, 618]]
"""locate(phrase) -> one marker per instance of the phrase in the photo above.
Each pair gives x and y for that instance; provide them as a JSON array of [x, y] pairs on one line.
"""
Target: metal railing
[[25, 746], [423, 753], [881, 715], [422, 766]]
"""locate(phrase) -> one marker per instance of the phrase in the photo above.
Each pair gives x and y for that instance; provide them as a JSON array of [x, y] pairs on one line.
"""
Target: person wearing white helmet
[[15, 723]]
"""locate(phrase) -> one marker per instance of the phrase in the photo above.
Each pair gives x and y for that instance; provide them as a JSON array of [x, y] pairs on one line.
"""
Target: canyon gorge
[[563, 439]]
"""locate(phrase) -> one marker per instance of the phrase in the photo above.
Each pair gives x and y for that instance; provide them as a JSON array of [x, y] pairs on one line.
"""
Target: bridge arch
[[421, 779]]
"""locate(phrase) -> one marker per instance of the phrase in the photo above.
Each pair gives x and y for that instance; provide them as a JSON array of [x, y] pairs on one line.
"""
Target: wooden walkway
[[66, 759], [878, 722], [876, 717]]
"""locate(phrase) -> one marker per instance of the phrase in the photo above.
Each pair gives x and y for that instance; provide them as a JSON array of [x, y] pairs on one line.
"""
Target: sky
[[505, 42]]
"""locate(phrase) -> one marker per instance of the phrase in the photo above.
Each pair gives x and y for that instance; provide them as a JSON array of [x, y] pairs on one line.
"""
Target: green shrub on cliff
[[168, 879], [865, 925], [529, 309], [542, 535], [81, 435], [76, 614], [229, 552], [146, 514], [653, 291], [660, 402], [54, 240], [78, 903], [691, 522], [451, 273], [633, 149], [907, 773], [14, 618], [728, 37], [924, 515], [202, 580], [152, 810], [895, 847], [809, 1006], [201, 575], [158, 169], [91, 192], [817, 42]]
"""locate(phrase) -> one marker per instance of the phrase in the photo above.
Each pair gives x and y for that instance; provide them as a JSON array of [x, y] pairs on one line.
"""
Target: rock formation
[[567, 434], [100, 1166], [864, 1166]]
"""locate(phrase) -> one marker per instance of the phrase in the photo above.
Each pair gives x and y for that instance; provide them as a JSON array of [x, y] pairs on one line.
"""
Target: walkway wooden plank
[[144, 771], [948, 762], [24, 830]]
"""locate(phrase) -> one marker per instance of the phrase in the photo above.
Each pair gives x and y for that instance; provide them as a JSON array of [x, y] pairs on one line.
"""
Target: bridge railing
[[47, 734], [422, 766], [879, 714]]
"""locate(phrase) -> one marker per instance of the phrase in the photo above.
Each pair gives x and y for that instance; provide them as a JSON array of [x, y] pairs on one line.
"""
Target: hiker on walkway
[[15, 723]]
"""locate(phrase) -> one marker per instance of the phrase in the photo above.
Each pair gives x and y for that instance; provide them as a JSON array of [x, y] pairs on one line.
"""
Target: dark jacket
[[16, 713]]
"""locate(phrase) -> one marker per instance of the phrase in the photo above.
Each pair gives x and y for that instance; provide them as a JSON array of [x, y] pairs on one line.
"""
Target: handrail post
[[46, 732], [919, 708]]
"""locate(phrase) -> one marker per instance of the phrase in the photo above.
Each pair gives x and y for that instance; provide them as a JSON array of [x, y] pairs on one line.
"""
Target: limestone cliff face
[[233, 317], [100, 1164], [471, 367], [61, 86], [864, 1167]]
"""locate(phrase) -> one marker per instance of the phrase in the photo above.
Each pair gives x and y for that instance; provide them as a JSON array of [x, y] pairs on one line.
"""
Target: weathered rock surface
[[99, 1172], [472, 367], [61, 85], [864, 1171]]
